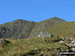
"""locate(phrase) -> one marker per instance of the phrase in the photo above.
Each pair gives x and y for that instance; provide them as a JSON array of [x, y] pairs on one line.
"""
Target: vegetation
[[20, 42], [65, 29], [31, 46]]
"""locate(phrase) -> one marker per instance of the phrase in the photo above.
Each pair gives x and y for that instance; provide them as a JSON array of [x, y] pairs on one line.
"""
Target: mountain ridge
[[23, 29]]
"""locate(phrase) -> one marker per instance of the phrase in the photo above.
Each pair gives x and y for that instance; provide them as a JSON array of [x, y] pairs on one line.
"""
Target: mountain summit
[[24, 29]]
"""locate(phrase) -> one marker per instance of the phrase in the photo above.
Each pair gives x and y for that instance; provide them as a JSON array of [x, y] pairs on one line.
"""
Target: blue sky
[[36, 10]]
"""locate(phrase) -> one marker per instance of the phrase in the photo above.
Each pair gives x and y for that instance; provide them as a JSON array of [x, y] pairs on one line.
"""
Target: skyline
[[36, 10], [41, 20]]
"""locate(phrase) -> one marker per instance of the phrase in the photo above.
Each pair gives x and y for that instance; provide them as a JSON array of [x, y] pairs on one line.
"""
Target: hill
[[44, 25], [31, 47], [61, 37], [65, 29], [16, 29], [23, 29]]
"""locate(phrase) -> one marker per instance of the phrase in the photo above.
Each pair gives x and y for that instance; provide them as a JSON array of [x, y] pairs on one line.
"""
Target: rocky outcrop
[[44, 34], [17, 29], [3, 41]]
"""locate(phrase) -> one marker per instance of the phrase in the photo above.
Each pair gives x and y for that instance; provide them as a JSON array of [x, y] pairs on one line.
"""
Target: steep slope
[[44, 25], [16, 29], [66, 29], [24, 29]]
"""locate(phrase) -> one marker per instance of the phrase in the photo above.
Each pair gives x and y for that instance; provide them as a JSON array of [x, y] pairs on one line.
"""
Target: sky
[[36, 10]]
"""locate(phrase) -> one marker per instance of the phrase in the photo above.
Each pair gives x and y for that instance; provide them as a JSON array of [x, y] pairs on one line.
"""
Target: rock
[[61, 42], [3, 41], [45, 34], [43, 55], [73, 49]]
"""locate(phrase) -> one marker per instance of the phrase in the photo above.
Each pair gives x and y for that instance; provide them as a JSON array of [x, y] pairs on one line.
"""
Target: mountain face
[[65, 29], [16, 29], [24, 29], [44, 25]]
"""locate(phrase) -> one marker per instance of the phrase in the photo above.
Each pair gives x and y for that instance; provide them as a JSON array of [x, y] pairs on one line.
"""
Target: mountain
[[65, 29], [16, 29], [24, 29], [49, 37], [44, 25]]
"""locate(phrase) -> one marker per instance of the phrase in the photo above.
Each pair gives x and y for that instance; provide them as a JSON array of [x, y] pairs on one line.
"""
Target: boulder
[[44, 34], [3, 41]]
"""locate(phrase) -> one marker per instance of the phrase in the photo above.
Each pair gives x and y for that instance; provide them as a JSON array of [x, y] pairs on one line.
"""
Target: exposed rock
[[3, 41], [43, 55], [70, 44], [61, 41], [45, 34], [73, 49]]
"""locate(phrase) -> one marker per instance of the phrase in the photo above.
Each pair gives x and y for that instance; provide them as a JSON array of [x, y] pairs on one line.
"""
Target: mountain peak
[[19, 20], [56, 18], [23, 29], [53, 19]]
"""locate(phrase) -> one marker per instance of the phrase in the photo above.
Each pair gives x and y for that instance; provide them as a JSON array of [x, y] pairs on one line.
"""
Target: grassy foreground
[[32, 46]]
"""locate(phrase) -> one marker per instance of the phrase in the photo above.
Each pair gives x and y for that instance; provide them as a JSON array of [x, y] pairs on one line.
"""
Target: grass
[[30, 46], [65, 29]]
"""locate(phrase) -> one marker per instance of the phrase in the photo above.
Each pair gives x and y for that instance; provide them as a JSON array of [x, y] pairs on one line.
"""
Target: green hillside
[[22, 37], [65, 29], [32, 46]]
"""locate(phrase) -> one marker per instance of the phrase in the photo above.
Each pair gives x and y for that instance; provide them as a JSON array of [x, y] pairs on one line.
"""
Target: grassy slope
[[25, 46], [65, 29]]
